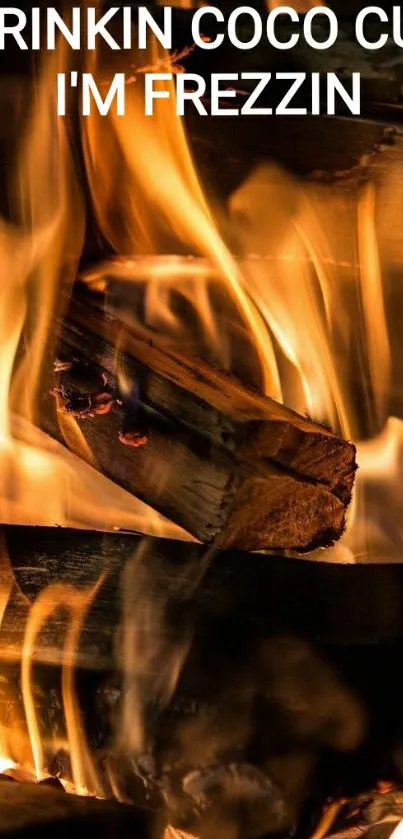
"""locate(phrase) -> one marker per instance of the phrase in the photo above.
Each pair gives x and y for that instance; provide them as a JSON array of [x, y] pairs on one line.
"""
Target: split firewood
[[233, 468]]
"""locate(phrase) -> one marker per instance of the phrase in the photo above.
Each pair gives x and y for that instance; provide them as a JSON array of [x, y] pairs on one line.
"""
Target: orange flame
[[307, 298], [397, 833], [52, 598], [39, 255], [162, 193]]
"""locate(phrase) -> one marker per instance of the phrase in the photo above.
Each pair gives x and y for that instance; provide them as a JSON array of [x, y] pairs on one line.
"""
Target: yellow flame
[[39, 254], [84, 773], [161, 191], [77, 602], [397, 833]]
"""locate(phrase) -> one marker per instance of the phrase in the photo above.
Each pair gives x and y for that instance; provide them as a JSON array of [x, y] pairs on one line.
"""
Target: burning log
[[234, 469], [239, 595], [197, 752], [257, 701], [200, 795], [28, 808]]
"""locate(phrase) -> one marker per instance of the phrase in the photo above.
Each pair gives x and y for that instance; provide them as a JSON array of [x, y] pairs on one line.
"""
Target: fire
[[304, 303], [307, 298], [41, 481], [39, 255], [318, 279], [52, 598]]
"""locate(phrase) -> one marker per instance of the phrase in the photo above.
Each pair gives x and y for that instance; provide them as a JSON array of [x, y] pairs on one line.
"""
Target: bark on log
[[233, 468], [286, 659], [241, 597]]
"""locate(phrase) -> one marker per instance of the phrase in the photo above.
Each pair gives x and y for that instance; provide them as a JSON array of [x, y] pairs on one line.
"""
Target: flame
[[22, 744], [162, 194], [77, 602], [310, 308], [150, 659], [319, 281], [39, 254]]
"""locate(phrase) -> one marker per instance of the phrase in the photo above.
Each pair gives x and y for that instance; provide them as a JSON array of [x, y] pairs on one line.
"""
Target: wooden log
[[242, 597], [29, 810], [286, 659], [159, 779], [231, 467]]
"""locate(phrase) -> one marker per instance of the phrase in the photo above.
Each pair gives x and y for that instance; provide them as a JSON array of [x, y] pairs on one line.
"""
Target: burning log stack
[[232, 691], [277, 707]]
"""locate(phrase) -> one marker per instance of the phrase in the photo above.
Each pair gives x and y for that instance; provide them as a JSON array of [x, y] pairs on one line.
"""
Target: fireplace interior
[[201, 449]]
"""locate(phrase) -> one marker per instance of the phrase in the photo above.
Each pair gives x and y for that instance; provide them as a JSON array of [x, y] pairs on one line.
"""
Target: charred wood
[[233, 468], [238, 595], [288, 692], [373, 813]]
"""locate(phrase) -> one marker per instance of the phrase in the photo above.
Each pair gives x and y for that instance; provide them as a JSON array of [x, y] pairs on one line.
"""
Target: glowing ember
[[83, 405], [133, 438]]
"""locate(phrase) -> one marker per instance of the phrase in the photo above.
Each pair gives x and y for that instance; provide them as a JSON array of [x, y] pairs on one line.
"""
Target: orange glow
[[305, 311], [77, 602], [163, 198], [38, 263]]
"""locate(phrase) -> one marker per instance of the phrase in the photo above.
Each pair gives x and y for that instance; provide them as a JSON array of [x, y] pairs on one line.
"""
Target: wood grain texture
[[231, 467]]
